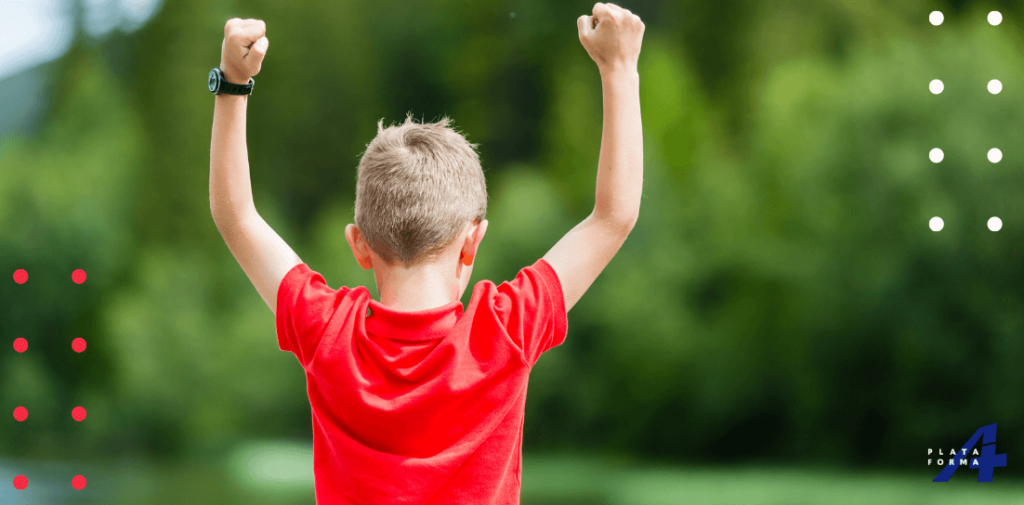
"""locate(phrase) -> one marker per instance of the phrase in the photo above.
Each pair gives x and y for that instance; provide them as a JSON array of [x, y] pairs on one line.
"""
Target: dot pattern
[[995, 87], [20, 413], [995, 224], [995, 155]]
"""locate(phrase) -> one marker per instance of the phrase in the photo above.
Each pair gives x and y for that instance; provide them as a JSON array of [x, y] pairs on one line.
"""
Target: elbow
[[625, 225], [229, 222], [227, 214], [619, 223], [220, 217], [223, 223]]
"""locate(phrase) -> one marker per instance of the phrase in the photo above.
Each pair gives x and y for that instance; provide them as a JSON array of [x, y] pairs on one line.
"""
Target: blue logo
[[984, 462]]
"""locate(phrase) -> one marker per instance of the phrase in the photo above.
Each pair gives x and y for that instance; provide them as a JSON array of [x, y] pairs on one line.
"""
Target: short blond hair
[[418, 185]]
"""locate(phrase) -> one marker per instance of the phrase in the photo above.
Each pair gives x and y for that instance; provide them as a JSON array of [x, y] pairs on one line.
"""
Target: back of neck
[[424, 286]]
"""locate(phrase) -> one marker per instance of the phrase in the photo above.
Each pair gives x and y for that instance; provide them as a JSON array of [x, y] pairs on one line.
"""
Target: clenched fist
[[612, 37], [245, 45]]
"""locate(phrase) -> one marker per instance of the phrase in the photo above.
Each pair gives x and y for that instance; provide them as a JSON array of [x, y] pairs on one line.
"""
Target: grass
[[553, 480], [281, 474]]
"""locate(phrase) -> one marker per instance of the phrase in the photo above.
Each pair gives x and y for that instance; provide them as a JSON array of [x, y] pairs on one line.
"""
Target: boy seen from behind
[[415, 398]]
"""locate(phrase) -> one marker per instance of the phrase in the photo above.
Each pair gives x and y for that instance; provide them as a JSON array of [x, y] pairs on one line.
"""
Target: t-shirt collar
[[429, 324]]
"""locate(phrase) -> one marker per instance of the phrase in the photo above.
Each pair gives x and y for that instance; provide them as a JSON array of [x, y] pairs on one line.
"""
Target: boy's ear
[[360, 249], [472, 243]]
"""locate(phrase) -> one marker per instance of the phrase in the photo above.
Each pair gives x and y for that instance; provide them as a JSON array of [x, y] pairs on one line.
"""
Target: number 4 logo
[[983, 462]]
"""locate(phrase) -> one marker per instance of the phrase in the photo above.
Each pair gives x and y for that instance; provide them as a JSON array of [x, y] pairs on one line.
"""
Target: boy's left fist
[[612, 36], [245, 45]]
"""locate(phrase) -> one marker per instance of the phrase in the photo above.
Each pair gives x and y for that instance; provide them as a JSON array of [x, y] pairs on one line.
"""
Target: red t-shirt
[[420, 407]]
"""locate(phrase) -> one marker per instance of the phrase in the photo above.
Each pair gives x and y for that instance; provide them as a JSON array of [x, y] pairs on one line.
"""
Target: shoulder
[[303, 287], [536, 280], [529, 310]]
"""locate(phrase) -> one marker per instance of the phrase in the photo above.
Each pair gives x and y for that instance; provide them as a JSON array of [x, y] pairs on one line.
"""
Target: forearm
[[621, 164], [264, 257], [260, 251], [230, 186]]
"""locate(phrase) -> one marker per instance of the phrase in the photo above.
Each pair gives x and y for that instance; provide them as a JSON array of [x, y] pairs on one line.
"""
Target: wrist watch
[[219, 85]]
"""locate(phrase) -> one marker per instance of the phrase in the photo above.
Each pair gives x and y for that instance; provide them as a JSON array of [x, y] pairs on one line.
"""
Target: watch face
[[214, 83]]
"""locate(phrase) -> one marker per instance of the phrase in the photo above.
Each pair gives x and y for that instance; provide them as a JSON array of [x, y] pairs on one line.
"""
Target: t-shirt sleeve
[[305, 305], [533, 309]]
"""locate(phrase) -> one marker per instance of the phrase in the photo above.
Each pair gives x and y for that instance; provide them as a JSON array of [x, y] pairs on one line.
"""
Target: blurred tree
[[781, 297]]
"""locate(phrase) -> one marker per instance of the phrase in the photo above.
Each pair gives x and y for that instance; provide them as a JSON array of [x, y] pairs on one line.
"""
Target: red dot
[[20, 414], [78, 345], [20, 482], [78, 414], [78, 482], [20, 345], [20, 276], [78, 276]]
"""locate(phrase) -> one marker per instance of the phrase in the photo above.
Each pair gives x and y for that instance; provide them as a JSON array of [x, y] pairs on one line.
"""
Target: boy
[[416, 399]]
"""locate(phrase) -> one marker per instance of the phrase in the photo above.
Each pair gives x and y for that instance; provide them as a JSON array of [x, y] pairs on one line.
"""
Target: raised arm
[[612, 37], [264, 256]]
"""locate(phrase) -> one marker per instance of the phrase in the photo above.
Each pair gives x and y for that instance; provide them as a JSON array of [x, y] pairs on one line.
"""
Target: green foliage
[[64, 202], [780, 298]]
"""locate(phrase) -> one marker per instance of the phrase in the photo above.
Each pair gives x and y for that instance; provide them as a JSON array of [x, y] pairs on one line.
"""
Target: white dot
[[995, 155], [994, 18], [994, 86], [935, 18], [935, 223], [936, 155], [995, 224], [936, 86]]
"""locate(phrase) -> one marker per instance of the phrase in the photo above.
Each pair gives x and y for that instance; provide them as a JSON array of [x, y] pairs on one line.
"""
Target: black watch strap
[[230, 88], [219, 85]]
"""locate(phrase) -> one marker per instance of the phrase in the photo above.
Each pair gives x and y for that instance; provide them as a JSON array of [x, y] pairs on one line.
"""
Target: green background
[[782, 326]]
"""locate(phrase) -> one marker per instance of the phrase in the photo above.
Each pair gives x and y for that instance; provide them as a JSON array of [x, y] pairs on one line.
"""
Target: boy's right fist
[[612, 37], [245, 45]]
